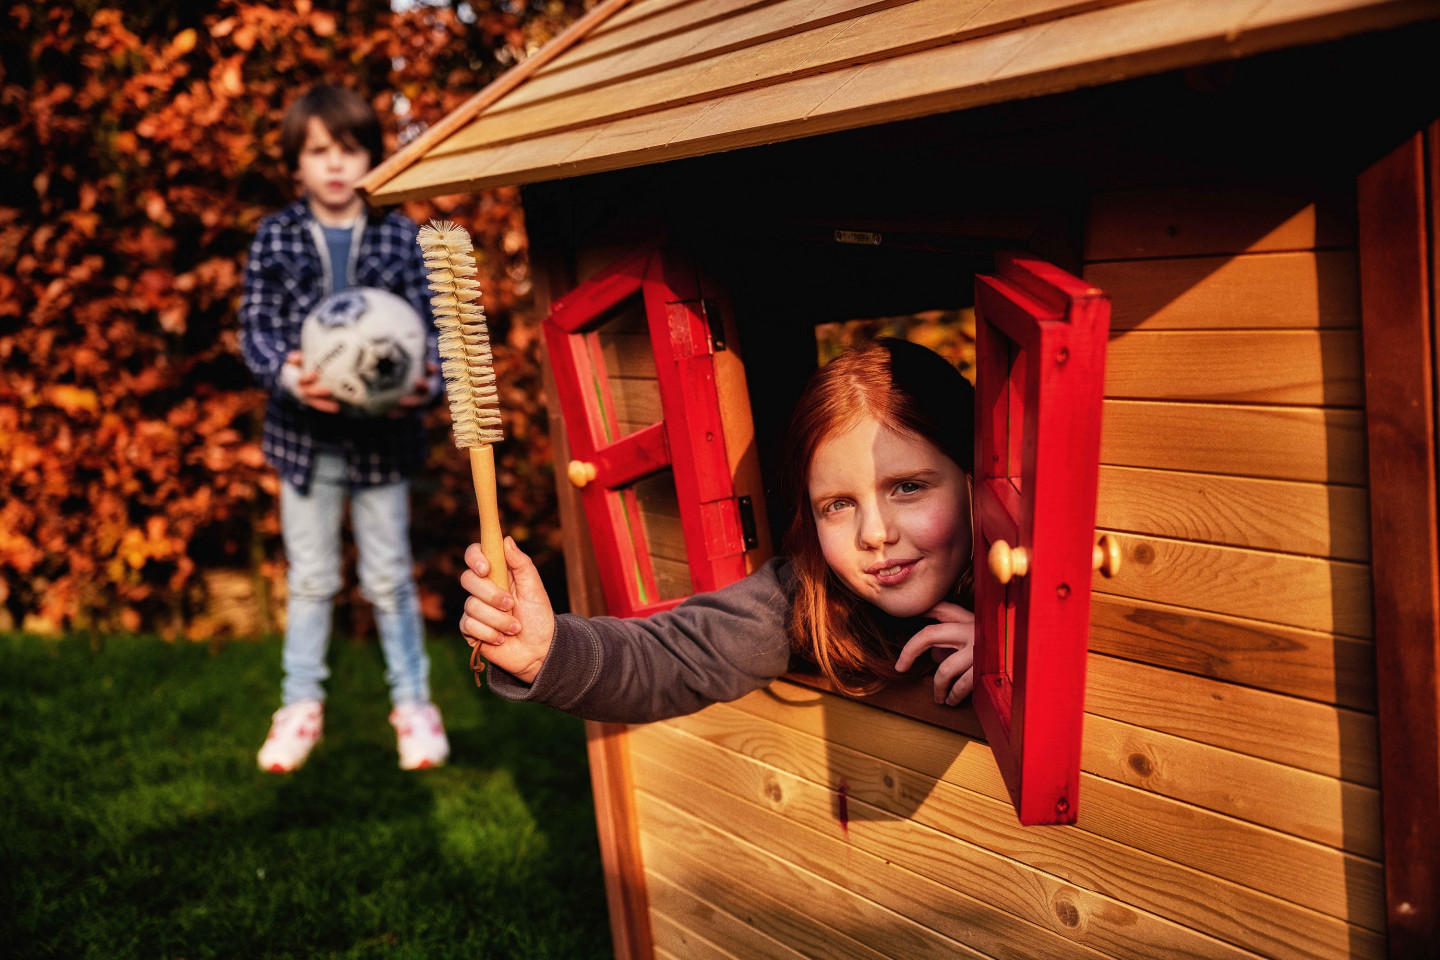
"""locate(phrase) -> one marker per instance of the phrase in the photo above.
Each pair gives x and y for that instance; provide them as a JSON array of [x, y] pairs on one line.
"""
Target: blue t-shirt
[[338, 240]]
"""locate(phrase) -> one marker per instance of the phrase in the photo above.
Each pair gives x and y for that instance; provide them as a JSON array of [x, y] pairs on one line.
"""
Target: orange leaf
[[184, 42], [230, 79], [71, 399]]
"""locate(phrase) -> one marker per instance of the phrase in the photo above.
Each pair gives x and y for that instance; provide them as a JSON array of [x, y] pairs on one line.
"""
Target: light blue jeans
[[310, 523]]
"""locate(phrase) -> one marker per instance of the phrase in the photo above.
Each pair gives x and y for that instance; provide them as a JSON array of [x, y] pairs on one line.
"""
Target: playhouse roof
[[636, 83]]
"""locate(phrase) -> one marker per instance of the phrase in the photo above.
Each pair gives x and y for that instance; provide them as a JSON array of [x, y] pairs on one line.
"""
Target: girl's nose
[[875, 529]]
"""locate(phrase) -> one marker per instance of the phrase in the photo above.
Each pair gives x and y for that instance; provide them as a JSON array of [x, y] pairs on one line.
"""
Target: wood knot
[[1066, 912], [1141, 764], [889, 782], [1144, 553], [773, 791]]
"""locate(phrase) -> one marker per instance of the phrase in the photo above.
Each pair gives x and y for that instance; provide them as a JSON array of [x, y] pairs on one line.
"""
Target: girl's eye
[[909, 486], [835, 505]]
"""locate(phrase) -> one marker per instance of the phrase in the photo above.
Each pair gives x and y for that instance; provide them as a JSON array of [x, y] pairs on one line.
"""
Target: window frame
[[689, 438], [1040, 345]]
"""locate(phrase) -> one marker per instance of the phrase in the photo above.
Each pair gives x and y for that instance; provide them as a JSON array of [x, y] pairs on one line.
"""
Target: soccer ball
[[368, 345]]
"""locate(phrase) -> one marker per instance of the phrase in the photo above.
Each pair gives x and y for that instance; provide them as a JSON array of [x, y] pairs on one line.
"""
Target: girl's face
[[893, 516]]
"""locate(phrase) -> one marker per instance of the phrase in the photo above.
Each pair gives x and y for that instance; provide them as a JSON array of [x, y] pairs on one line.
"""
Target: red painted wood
[[1040, 348], [690, 439], [586, 429], [685, 365], [583, 306], [633, 457], [1396, 291]]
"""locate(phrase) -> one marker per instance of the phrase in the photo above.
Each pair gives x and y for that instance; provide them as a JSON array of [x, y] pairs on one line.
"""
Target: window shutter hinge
[[716, 320], [747, 522]]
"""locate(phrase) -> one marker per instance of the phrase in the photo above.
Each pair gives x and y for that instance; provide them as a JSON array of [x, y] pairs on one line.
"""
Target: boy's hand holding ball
[[425, 389], [515, 628], [307, 387]]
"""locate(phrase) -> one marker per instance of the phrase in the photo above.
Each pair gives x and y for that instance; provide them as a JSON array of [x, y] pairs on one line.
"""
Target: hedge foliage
[[140, 150]]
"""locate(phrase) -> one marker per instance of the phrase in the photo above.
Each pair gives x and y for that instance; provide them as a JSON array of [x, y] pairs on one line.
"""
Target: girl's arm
[[713, 647]]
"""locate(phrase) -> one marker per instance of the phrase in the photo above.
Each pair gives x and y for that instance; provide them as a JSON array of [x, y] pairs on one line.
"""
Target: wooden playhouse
[[1252, 189]]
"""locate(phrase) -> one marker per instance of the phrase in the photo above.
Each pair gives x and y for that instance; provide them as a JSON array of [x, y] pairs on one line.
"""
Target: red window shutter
[[688, 439], [1040, 364]]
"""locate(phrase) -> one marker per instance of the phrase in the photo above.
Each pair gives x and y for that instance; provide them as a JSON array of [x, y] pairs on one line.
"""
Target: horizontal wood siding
[[1229, 801]]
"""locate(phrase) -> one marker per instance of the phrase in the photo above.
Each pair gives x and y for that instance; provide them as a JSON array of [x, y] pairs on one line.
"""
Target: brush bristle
[[465, 359]]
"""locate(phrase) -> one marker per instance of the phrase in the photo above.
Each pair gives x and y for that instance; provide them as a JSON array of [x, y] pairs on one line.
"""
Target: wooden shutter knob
[[1106, 557], [580, 472], [1007, 561]]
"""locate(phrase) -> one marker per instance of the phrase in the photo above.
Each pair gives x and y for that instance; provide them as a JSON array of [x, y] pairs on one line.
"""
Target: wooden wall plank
[[1205, 219], [1280, 443], [1330, 596], [1320, 877], [1305, 518], [793, 905], [722, 935], [1308, 289], [794, 822], [1300, 733], [1333, 812], [628, 355], [608, 751], [636, 401], [1398, 293], [1318, 368], [942, 923], [1337, 814], [1302, 663], [883, 798]]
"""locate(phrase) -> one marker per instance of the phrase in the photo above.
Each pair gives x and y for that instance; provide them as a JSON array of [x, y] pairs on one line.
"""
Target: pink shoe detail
[[420, 736], [294, 732]]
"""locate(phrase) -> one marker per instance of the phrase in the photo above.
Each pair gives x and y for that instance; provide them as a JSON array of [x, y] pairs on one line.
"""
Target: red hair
[[912, 391]]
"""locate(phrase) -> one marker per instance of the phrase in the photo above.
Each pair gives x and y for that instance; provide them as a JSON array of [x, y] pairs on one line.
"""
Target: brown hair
[[911, 390], [344, 113]]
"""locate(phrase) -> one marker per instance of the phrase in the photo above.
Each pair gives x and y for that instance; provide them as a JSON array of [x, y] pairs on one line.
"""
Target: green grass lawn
[[133, 822]]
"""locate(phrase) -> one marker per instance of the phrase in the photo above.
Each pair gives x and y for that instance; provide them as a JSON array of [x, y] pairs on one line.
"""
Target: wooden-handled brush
[[469, 373]]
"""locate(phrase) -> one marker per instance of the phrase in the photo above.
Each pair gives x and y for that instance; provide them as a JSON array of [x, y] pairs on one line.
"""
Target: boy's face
[[329, 169]]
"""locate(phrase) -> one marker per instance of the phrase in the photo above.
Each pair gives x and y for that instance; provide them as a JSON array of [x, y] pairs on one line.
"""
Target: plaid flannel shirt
[[287, 273]]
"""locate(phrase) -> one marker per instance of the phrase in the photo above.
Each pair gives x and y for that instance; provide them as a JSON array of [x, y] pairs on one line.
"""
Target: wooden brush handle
[[492, 541]]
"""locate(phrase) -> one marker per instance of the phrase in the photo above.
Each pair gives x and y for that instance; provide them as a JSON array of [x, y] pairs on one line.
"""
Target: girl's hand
[[513, 629], [951, 642]]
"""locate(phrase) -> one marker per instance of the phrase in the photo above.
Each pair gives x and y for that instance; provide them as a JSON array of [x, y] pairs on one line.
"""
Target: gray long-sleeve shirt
[[713, 647]]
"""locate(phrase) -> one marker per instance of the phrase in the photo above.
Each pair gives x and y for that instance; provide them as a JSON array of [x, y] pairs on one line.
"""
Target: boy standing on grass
[[323, 243]]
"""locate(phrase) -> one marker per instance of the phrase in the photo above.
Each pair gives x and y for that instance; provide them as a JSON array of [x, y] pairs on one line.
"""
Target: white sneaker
[[419, 736], [294, 731]]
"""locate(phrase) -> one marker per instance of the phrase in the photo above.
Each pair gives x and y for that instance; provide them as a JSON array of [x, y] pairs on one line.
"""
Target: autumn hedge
[[140, 151]]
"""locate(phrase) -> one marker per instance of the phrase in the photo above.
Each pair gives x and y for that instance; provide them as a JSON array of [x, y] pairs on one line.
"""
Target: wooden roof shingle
[[653, 80]]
